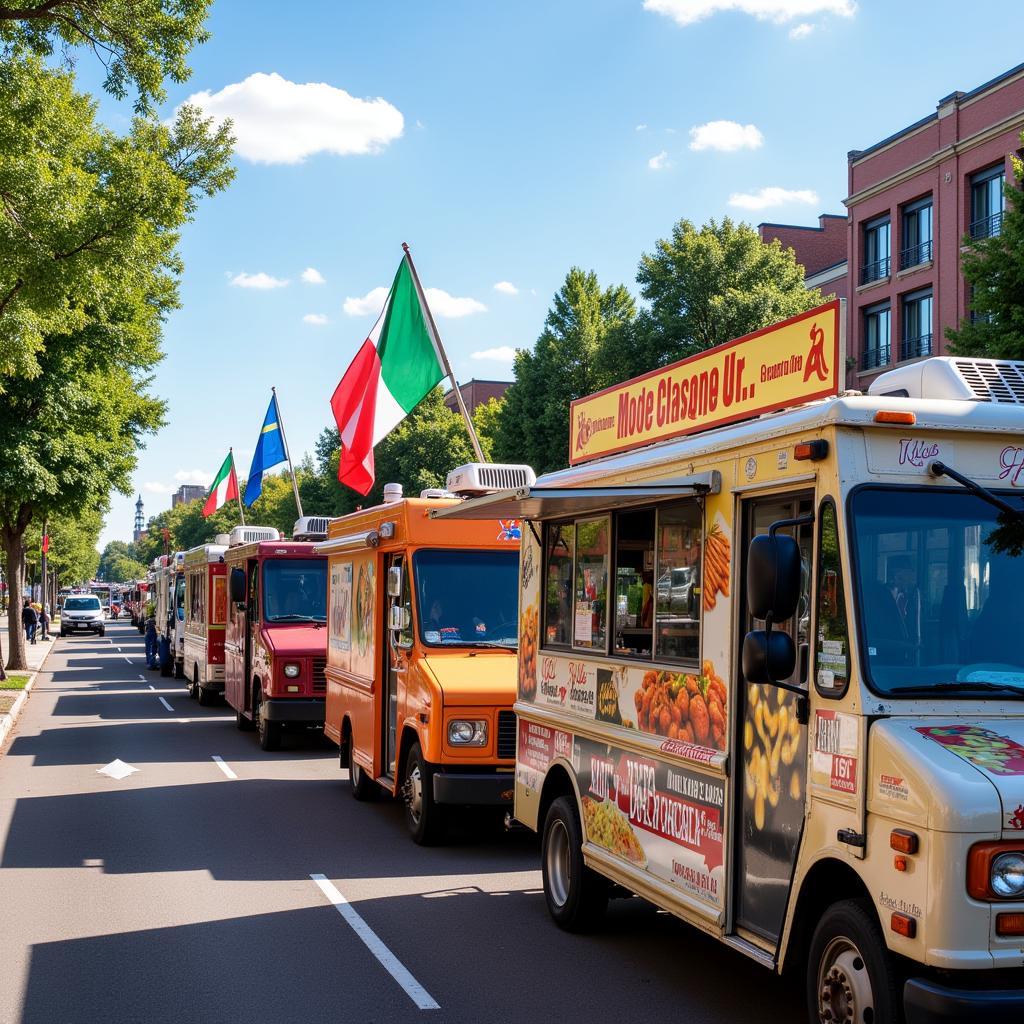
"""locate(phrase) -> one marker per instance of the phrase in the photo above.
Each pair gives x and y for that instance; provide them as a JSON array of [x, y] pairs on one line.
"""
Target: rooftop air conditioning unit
[[437, 492], [484, 477], [963, 380], [251, 534], [310, 528]]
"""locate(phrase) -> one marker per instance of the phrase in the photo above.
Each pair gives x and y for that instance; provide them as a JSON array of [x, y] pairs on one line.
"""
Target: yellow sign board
[[787, 364]]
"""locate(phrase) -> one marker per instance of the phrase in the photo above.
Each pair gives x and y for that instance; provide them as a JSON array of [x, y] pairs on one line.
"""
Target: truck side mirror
[[768, 657], [236, 585], [773, 577], [395, 581], [398, 618]]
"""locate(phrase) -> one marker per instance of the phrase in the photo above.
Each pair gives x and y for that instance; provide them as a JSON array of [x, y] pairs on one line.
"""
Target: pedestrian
[[30, 619], [44, 622], [151, 656]]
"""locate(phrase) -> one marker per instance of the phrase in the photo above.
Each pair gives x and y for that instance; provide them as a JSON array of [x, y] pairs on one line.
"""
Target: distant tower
[[140, 521]]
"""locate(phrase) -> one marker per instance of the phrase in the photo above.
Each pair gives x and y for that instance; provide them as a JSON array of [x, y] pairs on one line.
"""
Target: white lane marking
[[117, 769], [413, 989], [126, 658], [223, 767], [152, 687], [165, 704], [143, 678]]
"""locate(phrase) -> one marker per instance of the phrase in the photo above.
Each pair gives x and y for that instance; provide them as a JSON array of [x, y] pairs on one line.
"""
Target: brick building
[[186, 493], [821, 251], [912, 199], [477, 392]]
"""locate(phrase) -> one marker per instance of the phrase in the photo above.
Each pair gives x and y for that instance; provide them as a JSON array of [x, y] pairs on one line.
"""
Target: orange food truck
[[275, 644], [421, 670], [206, 611]]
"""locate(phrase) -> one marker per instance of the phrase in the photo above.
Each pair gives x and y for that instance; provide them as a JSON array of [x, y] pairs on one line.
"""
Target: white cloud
[[658, 162], [686, 12], [506, 288], [316, 319], [801, 31], [195, 476], [765, 198], [312, 276], [440, 302], [155, 487], [641, 128], [725, 136], [371, 302], [261, 281], [281, 122], [501, 354]]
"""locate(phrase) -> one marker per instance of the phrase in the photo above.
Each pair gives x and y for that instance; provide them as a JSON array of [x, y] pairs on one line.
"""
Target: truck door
[[771, 784], [399, 640]]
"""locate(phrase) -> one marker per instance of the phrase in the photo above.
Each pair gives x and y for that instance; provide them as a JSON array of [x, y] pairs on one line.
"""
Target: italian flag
[[225, 487], [393, 370]]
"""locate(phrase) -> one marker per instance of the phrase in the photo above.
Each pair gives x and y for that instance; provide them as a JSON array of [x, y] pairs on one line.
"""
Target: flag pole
[[444, 356], [287, 452], [241, 511]]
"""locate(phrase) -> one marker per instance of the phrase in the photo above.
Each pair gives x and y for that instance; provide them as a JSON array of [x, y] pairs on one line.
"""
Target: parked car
[[82, 613]]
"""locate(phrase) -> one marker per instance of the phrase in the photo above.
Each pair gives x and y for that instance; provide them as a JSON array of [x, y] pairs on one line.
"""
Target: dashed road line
[[165, 704], [223, 767]]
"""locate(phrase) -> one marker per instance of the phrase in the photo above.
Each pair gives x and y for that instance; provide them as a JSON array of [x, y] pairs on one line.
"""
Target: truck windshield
[[179, 596], [941, 613], [467, 598], [295, 590]]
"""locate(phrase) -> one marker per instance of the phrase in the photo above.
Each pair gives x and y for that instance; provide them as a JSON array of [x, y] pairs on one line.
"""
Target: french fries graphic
[[717, 556], [771, 740]]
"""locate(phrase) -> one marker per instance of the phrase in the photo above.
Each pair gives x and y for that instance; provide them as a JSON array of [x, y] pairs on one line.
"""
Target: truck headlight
[[1007, 878], [467, 732], [291, 670]]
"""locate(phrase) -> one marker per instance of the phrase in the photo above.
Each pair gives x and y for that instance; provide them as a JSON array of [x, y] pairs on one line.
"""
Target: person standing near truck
[[30, 620], [151, 656]]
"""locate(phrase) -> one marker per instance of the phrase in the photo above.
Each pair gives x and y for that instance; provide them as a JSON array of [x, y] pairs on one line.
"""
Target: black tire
[[102, 632], [63, 633], [166, 668], [206, 698], [243, 723], [179, 669], [577, 897], [424, 817], [269, 732], [362, 786], [193, 687], [849, 970]]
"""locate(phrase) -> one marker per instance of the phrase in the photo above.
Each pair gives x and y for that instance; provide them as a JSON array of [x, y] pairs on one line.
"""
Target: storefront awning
[[538, 503]]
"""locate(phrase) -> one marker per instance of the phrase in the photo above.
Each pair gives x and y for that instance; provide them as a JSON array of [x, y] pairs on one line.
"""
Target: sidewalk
[[12, 700]]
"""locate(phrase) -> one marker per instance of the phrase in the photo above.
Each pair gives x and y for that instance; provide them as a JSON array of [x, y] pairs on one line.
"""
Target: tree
[[139, 42], [92, 273], [564, 364], [117, 564], [705, 286], [994, 270]]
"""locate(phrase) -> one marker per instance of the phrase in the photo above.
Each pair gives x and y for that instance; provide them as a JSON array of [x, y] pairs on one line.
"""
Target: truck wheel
[[242, 723], [577, 897], [423, 817], [193, 687], [205, 697], [362, 786], [269, 732], [849, 974], [179, 670]]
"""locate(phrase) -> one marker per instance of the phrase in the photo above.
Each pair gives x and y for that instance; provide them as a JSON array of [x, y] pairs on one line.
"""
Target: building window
[[916, 337], [590, 614], [875, 350], [916, 238], [561, 542], [876, 251], [987, 202]]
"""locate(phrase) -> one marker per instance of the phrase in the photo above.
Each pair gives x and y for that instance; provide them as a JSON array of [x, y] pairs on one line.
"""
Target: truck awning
[[538, 503]]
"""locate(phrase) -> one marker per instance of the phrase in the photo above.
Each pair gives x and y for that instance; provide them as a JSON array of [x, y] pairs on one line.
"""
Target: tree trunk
[[14, 550]]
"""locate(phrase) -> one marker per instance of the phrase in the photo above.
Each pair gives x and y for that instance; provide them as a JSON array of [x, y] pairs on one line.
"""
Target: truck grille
[[506, 734], [319, 675]]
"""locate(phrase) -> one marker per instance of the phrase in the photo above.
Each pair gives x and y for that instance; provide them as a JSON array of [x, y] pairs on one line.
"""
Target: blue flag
[[269, 452]]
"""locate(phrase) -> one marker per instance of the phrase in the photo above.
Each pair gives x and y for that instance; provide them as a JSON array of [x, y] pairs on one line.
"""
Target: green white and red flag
[[225, 487], [394, 369]]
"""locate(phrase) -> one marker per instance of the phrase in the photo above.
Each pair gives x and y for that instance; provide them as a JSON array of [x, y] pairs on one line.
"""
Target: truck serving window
[[941, 610], [653, 604], [466, 598], [295, 590]]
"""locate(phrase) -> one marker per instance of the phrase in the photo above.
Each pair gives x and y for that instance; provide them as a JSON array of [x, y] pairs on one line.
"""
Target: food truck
[[770, 667], [275, 643], [206, 611], [421, 663]]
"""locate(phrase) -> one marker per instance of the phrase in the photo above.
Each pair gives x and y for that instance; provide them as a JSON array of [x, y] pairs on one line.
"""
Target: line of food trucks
[[755, 657]]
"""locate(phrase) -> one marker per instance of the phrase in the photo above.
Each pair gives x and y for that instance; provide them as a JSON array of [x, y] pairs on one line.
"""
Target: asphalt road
[[180, 894]]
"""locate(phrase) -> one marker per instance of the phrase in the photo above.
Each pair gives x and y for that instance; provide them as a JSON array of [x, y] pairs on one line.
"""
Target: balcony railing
[[987, 227], [915, 255], [872, 358], [874, 271], [912, 348], [981, 318]]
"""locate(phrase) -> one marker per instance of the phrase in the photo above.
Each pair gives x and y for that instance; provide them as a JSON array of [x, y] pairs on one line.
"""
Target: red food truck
[[206, 612], [275, 644]]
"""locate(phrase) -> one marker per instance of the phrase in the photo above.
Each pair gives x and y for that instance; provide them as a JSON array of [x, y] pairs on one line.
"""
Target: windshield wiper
[[1008, 537], [980, 684], [298, 618]]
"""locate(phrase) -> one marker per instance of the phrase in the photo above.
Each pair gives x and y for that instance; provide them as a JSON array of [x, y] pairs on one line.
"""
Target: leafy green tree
[[705, 286], [487, 421], [117, 565], [73, 540], [564, 364], [994, 269], [140, 42], [87, 278]]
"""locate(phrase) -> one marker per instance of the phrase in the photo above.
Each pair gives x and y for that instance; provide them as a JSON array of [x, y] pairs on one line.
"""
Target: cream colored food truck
[[771, 669], [206, 612]]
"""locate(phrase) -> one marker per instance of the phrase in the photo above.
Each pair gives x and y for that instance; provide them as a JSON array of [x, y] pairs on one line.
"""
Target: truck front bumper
[[927, 1002], [477, 788], [294, 709]]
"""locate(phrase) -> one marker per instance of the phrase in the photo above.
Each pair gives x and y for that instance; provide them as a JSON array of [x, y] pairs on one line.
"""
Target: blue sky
[[512, 141]]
